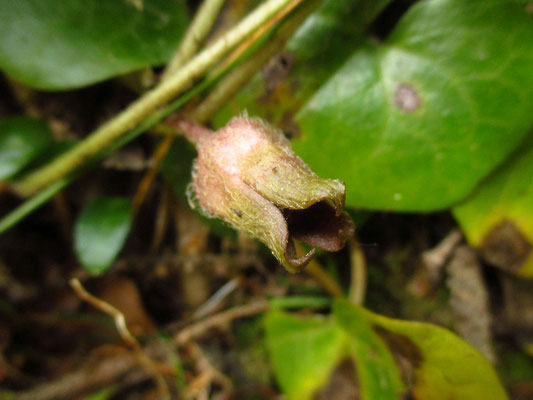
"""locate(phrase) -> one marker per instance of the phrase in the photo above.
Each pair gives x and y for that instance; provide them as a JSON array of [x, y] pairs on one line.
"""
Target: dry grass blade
[[199, 328], [125, 334], [148, 178]]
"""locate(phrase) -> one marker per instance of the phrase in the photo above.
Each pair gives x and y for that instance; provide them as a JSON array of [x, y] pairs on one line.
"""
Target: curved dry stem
[[124, 332], [202, 327]]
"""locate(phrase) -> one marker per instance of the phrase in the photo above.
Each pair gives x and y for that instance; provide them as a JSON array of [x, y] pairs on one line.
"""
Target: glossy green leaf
[[22, 139], [304, 352], [324, 41], [57, 44], [100, 232], [498, 216], [377, 373], [445, 366], [416, 122]]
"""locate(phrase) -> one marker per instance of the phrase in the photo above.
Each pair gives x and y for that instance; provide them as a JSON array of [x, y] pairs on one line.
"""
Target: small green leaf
[[378, 375], [445, 366], [419, 120], [498, 216], [22, 139], [57, 45], [304, 351], [100, 232]]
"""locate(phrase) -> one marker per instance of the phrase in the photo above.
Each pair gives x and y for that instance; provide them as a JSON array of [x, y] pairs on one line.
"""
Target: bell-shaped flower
[[248, 175]]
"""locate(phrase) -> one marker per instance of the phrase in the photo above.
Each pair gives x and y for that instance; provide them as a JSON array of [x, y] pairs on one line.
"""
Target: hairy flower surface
[[248, 175]]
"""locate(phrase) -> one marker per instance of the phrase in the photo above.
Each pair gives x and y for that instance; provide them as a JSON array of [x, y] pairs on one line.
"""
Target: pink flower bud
[[248, 175]]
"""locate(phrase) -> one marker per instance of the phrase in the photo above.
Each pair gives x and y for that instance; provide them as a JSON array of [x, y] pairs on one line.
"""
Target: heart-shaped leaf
[[415, 122], [418, 121], [442, 366], [57, 45]]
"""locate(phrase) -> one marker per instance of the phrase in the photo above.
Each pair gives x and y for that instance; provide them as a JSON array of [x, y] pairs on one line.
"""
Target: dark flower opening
[[319, 226]]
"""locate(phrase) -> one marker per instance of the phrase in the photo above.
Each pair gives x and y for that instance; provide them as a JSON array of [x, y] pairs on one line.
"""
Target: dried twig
[[216, 299], [199, 387], [199, 328], [435, 258], [125, 334], [469, 300], [88, 378], [149, 176], [161, 219]]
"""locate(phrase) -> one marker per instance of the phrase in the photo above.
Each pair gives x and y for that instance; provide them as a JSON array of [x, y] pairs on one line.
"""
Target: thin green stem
[[196, 33], [143, 107], [32, 204], [240, 75]]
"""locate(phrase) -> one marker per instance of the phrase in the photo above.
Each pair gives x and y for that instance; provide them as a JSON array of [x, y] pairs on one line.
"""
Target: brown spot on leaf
[[406, 98], [529, 8], [275, 73], [505, 246], [407, 355], [279, 67]]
